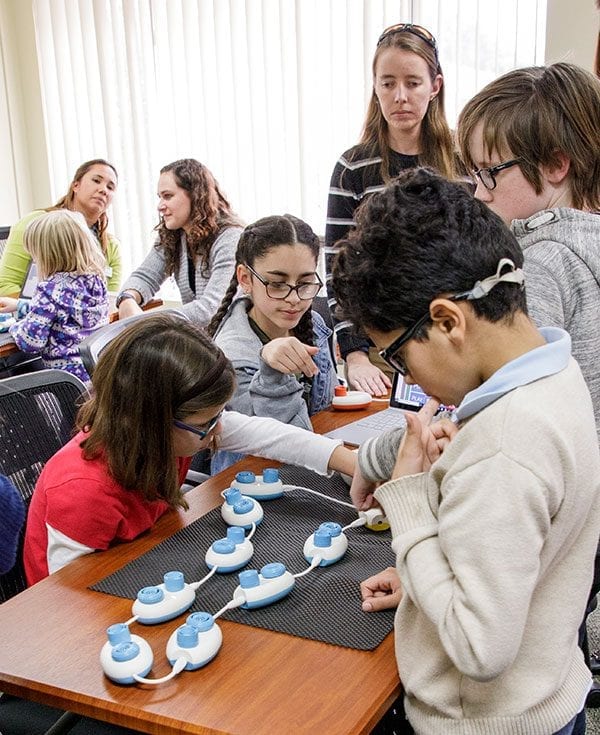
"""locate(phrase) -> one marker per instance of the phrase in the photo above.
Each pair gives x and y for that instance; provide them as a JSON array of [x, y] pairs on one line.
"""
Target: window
[[266, 93]]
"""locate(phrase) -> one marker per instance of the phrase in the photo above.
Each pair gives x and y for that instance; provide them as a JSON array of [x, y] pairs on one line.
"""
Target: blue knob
[[118, 633], [232, 495], [322, 539], [249, 578], [224, 546], [273, 570], [201, 621], [246, 477], [245, 505], [236, 534], [150, 595], [174, 581], [333, 529], [271, 475], [187, 636], [125, 651]]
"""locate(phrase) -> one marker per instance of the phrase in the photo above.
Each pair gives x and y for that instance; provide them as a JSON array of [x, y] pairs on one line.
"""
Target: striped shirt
[[356, 175]]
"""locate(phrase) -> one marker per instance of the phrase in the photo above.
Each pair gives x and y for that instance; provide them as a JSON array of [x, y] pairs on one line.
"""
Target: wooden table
[[260, 682]]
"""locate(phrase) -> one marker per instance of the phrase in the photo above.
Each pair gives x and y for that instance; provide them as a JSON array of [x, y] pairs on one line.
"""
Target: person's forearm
[[342, 460]]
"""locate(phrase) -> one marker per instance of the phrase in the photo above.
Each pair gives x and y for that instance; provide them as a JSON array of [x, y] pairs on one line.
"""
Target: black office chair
[[37, 418], [91, 347]]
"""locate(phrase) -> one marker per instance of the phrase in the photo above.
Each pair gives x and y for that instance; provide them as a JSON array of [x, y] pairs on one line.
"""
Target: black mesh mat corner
[[324, 605]]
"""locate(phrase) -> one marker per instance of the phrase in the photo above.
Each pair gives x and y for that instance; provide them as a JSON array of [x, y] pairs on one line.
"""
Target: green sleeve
[[113, 258], [14, 262]]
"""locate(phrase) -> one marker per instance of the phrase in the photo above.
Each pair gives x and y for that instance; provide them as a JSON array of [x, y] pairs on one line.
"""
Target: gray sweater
[[562, 283], [201, 305]]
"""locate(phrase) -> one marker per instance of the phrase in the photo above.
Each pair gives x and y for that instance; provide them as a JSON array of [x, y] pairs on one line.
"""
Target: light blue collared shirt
[[547, 360]]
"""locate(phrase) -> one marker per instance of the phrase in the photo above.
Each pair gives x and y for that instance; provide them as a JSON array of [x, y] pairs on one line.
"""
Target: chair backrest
[[91, 347], [37, 418], [4, 231]]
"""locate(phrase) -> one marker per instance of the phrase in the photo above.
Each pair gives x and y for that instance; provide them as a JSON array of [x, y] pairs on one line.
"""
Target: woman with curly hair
[[197, 237]]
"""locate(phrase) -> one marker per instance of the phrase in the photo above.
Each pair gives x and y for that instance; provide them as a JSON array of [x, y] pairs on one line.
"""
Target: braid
[[304, 329], [215, 322]]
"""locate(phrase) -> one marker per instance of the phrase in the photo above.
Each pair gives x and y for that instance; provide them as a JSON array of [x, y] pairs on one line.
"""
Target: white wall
[[26, 182], [571, 33]]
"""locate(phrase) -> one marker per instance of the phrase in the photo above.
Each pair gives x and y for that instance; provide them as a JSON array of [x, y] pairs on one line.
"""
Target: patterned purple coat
[[63, 311]]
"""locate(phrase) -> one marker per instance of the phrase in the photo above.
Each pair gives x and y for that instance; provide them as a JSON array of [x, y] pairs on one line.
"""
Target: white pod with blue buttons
[[231, 553], [259, 590], [164, 601], [328, 542], [198, 641], [240, 510], [125, 655], [262, 487]]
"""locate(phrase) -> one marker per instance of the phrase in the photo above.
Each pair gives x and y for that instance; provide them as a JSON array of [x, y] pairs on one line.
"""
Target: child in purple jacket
[[71, 299]]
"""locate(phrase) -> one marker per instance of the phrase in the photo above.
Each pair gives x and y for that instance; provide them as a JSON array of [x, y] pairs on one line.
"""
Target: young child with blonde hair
[[71, 298]]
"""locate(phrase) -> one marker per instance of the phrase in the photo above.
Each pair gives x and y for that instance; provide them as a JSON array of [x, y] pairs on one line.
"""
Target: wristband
[[122, 296]]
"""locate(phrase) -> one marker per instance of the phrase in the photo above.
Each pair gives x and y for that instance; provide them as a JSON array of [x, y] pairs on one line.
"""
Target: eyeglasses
[[416, 30], [391, 353], [202, 433], [487, 176], [280, 290]]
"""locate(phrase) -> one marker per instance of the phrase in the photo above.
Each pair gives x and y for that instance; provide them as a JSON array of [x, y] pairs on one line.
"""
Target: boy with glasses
[[493, 518], [532, 139]]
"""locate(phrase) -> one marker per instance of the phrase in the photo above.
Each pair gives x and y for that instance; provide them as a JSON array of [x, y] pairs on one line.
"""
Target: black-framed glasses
[[391, 353], [487, 176], [416, 30], [280, 290], [202, 433]]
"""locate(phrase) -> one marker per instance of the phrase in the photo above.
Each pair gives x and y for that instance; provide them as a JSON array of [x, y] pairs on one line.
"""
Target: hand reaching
[[289, 355], [7, 305], [361, 490], [363, 375]]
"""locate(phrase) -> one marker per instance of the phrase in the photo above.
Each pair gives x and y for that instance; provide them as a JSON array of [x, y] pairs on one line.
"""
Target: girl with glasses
[[278, 345], [158, 392], [197, 237], [405, 126]]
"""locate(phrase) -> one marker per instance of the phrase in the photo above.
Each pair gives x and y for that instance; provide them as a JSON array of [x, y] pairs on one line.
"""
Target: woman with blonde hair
[[198, 234], [90, 192], [405, 126], [71, 298]]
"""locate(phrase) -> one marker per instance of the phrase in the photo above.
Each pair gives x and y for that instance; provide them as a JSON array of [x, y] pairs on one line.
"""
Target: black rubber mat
[[324, 604]]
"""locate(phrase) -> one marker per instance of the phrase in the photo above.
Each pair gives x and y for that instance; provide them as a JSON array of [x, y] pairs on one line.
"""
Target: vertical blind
[[266, 93]]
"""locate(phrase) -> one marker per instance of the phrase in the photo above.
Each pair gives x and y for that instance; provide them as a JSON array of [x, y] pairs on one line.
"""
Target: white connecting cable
[[314, 563], [236, 602], [290, 488], [178, 667], [195, 585]]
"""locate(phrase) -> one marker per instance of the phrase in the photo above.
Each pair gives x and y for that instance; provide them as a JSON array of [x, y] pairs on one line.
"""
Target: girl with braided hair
[[277, 344]]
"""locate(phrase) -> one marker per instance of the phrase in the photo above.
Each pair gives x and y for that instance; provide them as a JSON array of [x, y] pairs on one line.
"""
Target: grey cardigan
[[201, 305]]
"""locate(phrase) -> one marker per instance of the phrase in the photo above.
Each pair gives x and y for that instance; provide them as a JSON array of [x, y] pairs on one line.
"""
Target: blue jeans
[[575, 727]]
